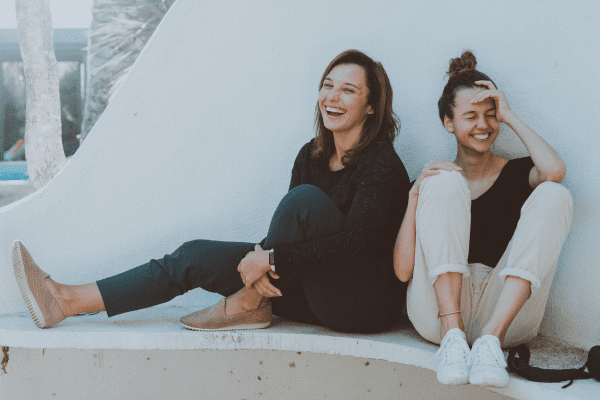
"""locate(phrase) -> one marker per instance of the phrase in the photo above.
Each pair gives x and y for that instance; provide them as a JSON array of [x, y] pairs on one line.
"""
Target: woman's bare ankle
[[448, 322], [498, 332], [75, 299]]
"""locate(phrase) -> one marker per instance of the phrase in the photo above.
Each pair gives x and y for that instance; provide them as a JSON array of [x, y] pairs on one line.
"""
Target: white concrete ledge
[[158, 328]]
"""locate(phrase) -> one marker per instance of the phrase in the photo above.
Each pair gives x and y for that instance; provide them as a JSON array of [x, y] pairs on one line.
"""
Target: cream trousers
[[443, 222]]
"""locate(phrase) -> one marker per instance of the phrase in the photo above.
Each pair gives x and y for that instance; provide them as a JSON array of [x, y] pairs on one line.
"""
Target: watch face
[[271, 258]]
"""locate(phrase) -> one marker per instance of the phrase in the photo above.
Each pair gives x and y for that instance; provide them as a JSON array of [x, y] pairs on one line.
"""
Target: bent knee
[[307, 190], [304, 194], [554, 194], [194, 249], [192, 244], [552, 202], [555, 191], [446, 182]]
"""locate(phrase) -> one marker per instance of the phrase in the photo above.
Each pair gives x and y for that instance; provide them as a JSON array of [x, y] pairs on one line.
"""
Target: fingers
[[430, 173], [248, 254], [272, 290], [242, 274], [487, 84], [479, 97], [433, 168], [266, 288], [261, 291], [260, 288], [251, 278]]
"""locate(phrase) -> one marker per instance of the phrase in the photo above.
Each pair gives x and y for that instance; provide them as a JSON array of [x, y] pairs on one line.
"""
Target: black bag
[[520, 366]]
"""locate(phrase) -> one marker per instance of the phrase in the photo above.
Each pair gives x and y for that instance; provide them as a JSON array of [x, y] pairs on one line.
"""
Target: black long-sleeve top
[[372, 194]]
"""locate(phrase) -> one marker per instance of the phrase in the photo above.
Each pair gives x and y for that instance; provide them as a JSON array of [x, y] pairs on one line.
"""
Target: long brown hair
[[381, 126]]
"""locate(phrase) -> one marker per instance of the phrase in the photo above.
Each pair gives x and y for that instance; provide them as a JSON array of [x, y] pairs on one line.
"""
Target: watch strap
[[272, 258]]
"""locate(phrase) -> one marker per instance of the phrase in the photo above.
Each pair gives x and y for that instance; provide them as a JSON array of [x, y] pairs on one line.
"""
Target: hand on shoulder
[[430, 169]]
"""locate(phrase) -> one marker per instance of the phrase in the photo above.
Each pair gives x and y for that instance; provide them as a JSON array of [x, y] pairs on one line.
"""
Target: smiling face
[[343, 99], [474, 125]]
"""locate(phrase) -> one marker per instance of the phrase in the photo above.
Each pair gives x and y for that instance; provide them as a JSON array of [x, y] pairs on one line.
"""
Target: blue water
[[13, 172]]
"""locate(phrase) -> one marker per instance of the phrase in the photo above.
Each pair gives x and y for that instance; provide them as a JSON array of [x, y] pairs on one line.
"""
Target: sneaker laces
[[486, 352], [453, 349]]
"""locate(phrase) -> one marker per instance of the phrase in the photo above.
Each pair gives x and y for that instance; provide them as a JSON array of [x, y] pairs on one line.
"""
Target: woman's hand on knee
[[265, 288], [433, 168], [254, 266]]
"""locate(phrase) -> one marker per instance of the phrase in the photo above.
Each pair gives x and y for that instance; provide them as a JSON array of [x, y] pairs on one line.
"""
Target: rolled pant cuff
[[442, 269], [521, 273]]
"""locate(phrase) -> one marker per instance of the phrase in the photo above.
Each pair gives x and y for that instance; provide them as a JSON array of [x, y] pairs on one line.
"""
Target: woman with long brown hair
[[481, 235], [327, 257]]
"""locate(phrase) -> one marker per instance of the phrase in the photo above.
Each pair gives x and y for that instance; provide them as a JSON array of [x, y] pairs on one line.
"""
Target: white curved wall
[[200, 140]]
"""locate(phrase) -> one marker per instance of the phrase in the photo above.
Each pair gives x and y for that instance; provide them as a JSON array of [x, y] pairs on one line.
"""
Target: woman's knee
[[304, 196], [202, 256], [192, 249], [308, 202], [553, 197], [554, 192], [446, 183]]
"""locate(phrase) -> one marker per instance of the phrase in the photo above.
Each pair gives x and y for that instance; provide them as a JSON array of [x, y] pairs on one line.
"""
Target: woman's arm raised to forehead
[[548, 164]]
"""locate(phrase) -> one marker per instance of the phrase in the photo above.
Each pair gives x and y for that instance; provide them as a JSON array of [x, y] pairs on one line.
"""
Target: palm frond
[[120, 30]]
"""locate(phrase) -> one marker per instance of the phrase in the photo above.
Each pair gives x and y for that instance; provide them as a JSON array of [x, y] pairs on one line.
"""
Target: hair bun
[[466, 62]]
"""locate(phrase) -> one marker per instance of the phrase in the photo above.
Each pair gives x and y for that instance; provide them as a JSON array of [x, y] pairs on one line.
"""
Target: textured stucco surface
[[200, 140], [218, 374]]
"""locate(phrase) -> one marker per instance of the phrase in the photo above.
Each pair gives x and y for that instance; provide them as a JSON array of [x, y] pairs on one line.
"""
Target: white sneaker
[[488, 367], [453, 355]]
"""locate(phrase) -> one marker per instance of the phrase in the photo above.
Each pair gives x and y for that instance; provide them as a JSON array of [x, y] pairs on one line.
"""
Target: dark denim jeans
[[368, 300]]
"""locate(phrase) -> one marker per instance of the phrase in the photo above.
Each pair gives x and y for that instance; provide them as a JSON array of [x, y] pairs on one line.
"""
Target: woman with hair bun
[[481, 236], [326, 258]]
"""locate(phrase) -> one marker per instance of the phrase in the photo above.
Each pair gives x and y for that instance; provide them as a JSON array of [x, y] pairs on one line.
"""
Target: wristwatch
[[272, 259]]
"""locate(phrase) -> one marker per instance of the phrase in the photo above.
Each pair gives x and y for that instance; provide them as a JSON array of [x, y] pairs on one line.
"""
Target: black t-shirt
[[372, 194], [495, 214]]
